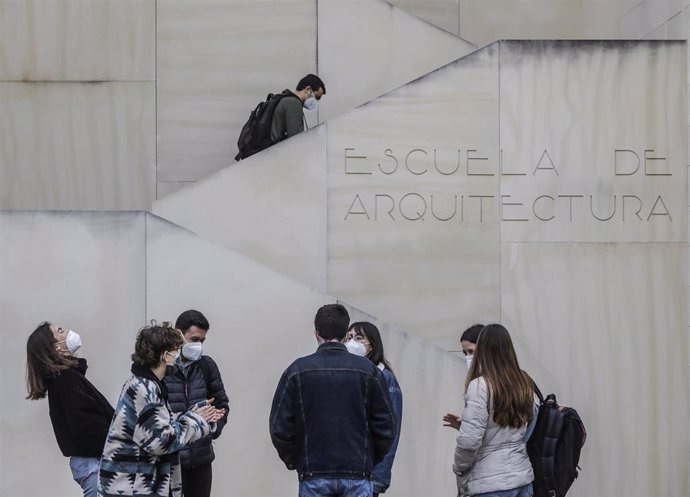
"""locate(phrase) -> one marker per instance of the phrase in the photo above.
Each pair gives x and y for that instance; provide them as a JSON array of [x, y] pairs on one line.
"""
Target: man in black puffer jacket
[[197, 379]]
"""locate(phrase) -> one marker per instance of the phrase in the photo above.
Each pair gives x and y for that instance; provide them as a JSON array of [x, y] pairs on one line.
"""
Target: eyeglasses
[[359, 338]]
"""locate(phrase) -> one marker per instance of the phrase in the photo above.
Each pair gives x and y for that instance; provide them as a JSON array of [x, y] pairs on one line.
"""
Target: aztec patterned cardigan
[[140, 455]]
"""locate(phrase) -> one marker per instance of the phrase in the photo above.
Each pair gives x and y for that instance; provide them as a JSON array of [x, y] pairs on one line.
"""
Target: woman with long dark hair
[[364, 339], [491, 457], [79, 413]]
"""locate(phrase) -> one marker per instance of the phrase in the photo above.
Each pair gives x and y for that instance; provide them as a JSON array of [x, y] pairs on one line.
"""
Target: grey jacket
[[288, 118], [488, 458]]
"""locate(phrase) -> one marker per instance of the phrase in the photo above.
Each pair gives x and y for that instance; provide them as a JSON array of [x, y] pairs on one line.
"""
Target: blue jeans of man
[[85, 473], [335, 487]]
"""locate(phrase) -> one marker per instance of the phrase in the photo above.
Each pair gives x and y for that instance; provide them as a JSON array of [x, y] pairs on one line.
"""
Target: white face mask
[[468, 359], [356, 348], [310, 103], [192, 350], [170, 354], [73, 341]]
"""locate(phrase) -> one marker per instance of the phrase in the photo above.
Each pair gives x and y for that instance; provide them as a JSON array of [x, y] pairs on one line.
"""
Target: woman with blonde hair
[[491, 457]]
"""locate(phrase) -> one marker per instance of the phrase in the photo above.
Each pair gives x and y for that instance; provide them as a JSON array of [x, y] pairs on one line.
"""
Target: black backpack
[[554, 447], [256, 132]]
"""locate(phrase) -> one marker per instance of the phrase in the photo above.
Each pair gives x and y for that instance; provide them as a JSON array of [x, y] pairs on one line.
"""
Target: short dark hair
[[471, 334], [152, 342], [313, 81], [191, 318], [331, 322]]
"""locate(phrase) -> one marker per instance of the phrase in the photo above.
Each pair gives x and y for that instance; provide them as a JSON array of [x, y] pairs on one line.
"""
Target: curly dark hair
[[153, 341]]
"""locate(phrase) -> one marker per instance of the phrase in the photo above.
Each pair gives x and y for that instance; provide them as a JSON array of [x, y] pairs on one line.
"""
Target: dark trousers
[[197, 482]]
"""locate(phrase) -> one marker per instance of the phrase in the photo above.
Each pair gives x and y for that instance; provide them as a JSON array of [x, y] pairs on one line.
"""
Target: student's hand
[[452, 420], [209, 413]]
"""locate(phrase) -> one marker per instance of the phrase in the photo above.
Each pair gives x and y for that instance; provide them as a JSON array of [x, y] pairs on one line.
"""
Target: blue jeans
[[335, 487], [85, 473], [525, 491]]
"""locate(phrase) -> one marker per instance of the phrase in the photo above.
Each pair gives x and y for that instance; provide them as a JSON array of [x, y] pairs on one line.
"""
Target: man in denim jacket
[[331, 417]]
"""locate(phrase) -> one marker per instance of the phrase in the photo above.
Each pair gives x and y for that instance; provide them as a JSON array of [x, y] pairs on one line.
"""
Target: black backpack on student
[[256, 132], [554, 447]]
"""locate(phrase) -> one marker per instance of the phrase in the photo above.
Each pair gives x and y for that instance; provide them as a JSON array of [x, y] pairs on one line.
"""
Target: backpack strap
[[538, 392], [552, 431]]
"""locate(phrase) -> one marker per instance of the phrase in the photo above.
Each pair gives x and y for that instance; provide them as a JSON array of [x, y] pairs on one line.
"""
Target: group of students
[[157, 440], [135, 448]]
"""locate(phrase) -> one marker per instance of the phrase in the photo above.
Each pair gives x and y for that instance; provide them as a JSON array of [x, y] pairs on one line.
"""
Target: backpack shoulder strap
[[538, 392]]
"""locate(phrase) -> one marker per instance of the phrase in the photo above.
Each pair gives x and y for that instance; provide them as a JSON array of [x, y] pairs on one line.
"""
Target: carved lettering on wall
[[417, 205]]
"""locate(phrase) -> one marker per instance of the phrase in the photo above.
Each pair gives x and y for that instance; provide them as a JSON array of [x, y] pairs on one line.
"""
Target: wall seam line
[[155, 101]]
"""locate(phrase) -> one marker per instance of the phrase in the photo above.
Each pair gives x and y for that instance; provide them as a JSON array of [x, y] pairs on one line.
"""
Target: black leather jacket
[[186, 388], [331, 415]]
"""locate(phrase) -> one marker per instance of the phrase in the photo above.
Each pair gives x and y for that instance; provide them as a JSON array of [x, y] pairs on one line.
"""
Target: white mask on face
[[356, 348], [310, 103], [73, 341], [170, 354], [192, 350], [468, 359]]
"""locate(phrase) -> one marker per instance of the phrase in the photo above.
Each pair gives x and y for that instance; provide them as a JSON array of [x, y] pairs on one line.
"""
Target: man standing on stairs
[[288, 118], [197, 379], [331, 418]]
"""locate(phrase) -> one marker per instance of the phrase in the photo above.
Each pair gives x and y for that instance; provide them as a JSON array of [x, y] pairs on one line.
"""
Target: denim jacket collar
[[332, 346]]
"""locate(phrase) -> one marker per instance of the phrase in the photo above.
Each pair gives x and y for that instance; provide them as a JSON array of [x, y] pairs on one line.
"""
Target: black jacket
[[186, 388], [331, 415], [80, 414]]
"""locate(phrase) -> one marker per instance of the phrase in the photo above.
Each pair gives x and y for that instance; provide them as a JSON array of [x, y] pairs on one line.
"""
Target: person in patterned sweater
[[140, 457]]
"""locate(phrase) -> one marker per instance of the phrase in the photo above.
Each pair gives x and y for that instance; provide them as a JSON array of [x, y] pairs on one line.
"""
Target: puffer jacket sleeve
[[216, 390], [158, 431], [475, 418]]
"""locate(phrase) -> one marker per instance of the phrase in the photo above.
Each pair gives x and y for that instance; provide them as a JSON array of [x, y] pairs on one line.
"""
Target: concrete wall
[[155, 100], [117, 103], [485, 21], [218, 59], [77, 104], [106, 274], [82, 270], [540, 184]]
